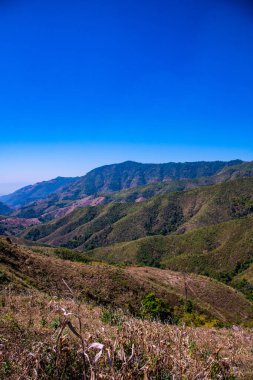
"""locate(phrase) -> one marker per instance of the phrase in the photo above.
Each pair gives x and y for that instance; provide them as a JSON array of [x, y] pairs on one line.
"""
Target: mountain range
[[193, 218], [111, 178], [172, 214], [77, 193]]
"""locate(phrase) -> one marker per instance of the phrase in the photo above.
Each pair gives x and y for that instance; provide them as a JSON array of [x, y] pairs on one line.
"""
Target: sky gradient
[[87, 83]]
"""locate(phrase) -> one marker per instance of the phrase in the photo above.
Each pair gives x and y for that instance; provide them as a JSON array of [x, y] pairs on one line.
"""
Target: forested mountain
[[130, 174]]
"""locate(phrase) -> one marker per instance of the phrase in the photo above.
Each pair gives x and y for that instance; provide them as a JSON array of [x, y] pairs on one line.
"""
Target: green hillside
[[178, 212], [226, 248]]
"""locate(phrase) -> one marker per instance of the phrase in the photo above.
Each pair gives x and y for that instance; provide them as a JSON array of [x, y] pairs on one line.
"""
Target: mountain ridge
[[65, 200], [114, 177], [31, 193]]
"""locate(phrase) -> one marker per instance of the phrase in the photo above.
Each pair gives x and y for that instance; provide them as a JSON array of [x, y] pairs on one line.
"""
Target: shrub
[[68, 254], [241, 206], [245, 287], [55, 323], [3, 278], [112, 317], [188, 306], [153, 308]]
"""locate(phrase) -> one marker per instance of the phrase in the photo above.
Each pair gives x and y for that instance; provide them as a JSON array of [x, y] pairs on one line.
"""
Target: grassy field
[[45, 338], [62, 319]]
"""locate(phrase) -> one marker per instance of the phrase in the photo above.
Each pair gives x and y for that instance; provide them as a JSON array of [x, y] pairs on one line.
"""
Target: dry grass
[[222, 301], [47, 331], [42, 338]]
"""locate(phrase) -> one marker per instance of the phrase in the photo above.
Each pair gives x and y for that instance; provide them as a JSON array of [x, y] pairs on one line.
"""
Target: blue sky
[[86, 83]]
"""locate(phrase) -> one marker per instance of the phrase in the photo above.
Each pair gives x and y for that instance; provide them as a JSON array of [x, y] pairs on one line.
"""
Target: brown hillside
[[123, 288]]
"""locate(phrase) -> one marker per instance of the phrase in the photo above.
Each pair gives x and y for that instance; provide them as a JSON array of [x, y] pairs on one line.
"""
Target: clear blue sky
[[86, 83]]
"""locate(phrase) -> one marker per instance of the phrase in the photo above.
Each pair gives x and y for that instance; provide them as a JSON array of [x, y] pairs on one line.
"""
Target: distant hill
[[117, 177], [91, 227], [141, 193], [33, 192], [4, 209], [111, 178]]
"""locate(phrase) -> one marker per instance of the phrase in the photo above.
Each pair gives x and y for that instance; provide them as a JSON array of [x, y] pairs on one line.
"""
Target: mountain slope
[[173, 213], [114, 286], [4, 209], [32, 192], [226, 248]]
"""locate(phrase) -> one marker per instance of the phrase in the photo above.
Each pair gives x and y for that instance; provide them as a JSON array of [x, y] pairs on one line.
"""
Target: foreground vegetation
[[43, 338], [62, 319]]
